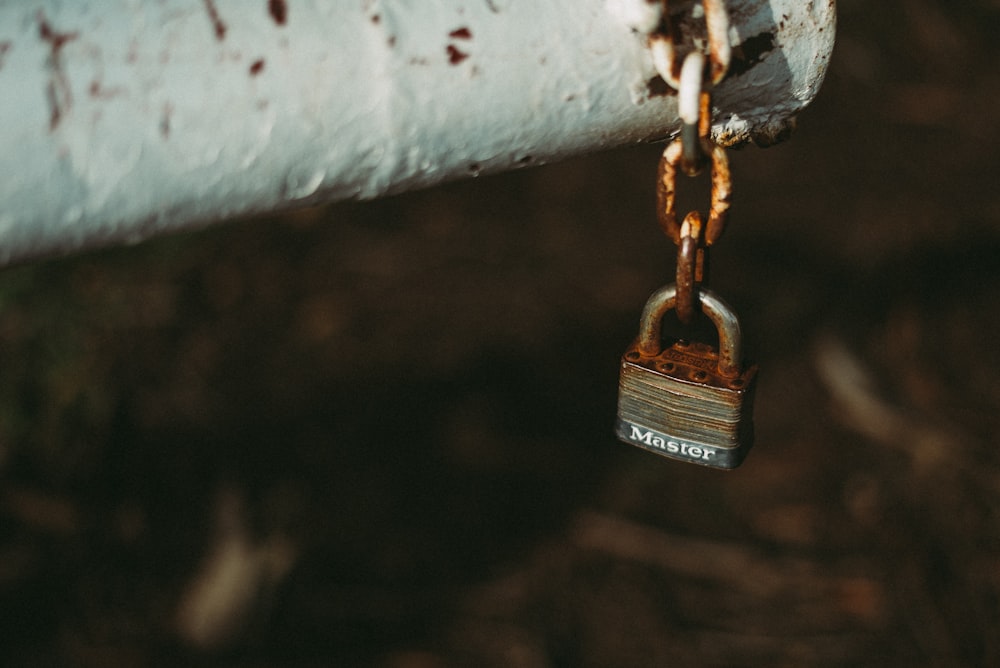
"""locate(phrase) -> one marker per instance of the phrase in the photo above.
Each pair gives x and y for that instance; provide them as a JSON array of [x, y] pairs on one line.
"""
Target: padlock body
[[676, 404]]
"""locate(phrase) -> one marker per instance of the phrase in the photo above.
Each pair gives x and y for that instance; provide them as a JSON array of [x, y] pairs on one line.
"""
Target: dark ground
[[381, 434]]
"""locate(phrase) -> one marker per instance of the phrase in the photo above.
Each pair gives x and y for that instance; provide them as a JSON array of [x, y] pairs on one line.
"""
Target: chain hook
[[719, 49]]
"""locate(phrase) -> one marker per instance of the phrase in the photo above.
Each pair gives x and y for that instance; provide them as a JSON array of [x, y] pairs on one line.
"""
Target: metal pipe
[[121, 119]]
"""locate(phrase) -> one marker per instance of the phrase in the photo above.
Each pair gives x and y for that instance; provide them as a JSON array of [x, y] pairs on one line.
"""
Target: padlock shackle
[[717, 310]]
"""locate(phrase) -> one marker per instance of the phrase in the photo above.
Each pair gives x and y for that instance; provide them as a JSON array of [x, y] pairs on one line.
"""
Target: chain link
[[666, 192], [691, 259]]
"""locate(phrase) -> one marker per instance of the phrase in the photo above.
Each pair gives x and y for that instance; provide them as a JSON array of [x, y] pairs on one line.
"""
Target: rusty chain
[[703, 67]]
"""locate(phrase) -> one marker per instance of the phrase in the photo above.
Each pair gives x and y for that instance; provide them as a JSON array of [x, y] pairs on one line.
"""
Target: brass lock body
[[687, 400]]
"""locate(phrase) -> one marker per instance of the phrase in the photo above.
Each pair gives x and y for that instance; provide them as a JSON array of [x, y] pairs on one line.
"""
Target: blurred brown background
[[380, 434]]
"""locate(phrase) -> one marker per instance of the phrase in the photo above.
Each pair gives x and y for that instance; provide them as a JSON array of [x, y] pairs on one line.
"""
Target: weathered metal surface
[[120, 119]]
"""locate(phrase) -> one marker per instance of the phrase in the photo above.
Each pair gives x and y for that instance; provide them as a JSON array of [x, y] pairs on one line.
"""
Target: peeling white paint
[[120, 119]]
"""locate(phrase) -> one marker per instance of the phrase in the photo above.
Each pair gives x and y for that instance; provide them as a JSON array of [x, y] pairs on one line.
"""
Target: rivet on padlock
[[687, 401]]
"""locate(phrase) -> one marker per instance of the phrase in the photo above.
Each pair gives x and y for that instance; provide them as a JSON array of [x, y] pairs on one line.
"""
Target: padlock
[[687, 400]]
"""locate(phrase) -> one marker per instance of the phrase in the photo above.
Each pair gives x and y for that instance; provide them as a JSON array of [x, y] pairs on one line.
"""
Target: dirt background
[[380, 434]]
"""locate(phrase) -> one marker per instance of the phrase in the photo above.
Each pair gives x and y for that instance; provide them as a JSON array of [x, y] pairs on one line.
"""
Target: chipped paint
[[218, 26], [5, 46], [58, 91], [455, 55], [278, 9]]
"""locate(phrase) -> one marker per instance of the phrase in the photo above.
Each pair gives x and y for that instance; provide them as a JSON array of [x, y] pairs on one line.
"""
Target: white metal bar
[[120, 119]]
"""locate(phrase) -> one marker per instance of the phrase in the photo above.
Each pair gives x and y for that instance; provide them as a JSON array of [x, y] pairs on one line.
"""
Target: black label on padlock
[[676, 448]]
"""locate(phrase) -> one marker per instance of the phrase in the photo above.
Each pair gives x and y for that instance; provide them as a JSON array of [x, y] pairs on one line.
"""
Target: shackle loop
[[718, 311]]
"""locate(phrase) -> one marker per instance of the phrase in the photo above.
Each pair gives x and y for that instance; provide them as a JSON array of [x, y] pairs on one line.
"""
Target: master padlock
[[687, 400]]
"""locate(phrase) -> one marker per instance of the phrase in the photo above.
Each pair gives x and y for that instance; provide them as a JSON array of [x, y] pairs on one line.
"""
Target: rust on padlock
[[687, 399], [718, 311]]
